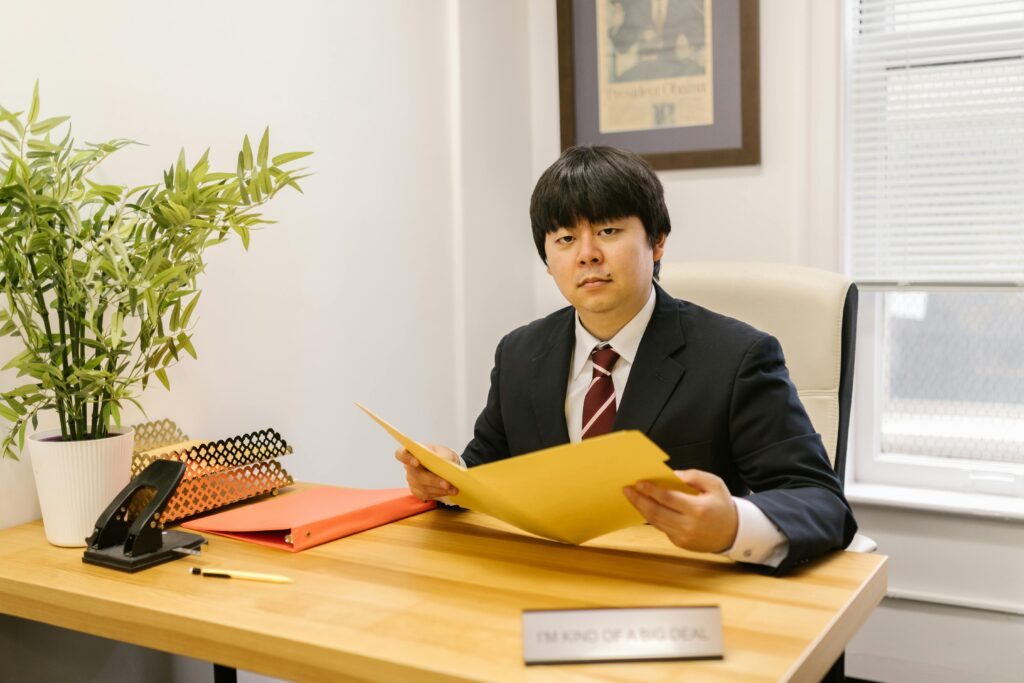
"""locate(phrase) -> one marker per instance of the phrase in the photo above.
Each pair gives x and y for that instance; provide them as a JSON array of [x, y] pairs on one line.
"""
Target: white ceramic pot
[[76, 480]]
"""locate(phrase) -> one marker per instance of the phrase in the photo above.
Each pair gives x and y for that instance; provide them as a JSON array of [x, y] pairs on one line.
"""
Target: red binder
[[300, 520]]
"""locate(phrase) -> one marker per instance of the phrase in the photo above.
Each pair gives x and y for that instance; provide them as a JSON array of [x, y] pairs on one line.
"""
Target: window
[[934, 203]]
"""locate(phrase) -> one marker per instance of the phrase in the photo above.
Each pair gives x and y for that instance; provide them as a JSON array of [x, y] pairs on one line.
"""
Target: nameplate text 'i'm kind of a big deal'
[[621, 634]]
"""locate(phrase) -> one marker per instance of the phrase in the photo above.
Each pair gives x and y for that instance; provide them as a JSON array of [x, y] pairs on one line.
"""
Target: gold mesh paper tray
[[217, 473]]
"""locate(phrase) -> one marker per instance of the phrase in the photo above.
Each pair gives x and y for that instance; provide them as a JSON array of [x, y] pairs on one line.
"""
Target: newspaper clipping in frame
[[654, 64]]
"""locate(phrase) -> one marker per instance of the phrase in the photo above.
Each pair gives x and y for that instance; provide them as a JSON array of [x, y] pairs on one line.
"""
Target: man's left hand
[[704, 522]]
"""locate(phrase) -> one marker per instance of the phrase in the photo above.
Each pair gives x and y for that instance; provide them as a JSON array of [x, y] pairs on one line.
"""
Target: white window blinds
[[935, 148]]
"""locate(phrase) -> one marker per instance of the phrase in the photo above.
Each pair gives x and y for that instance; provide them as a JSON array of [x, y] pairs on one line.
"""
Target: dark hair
[[598, 184]]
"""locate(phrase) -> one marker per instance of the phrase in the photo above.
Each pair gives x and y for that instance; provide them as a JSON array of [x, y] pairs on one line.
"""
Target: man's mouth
[[594, 281]]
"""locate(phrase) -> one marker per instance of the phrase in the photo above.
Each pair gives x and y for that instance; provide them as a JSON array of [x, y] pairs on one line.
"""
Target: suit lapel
[[655, 372], [549, 379]]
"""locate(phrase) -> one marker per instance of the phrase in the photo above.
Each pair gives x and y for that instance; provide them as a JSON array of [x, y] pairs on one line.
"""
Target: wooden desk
[[439, 597]]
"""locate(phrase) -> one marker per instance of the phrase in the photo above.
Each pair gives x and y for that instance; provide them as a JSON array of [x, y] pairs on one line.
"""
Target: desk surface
[[439, 597]]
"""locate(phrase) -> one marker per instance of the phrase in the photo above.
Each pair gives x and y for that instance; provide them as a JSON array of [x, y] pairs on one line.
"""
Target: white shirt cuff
[[758, 540]]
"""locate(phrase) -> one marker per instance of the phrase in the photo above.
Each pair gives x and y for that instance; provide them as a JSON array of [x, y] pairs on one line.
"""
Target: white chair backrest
[[801, 307]]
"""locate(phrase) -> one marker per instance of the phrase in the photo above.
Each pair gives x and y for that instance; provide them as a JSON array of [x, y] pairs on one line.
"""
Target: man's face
[[604, 270]]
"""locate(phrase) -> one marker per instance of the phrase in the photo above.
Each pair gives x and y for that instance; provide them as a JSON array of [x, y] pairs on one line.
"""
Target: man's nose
[[589, 252]]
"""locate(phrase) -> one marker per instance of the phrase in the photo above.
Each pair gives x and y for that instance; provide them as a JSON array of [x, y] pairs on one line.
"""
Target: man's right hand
[[424, 484]]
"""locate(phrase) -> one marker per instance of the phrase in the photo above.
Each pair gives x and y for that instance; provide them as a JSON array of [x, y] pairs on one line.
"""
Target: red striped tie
[[599, 404]]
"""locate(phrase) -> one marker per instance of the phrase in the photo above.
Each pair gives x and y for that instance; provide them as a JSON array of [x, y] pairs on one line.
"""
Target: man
[[712, 392]]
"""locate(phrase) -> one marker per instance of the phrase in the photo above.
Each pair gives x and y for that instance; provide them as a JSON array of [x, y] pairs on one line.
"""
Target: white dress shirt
[[758, 540]]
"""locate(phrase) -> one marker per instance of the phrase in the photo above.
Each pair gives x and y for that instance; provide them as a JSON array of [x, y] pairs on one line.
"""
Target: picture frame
[[675, 81]]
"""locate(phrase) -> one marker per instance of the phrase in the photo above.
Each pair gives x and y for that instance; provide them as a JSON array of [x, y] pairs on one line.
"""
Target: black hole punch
[[133, 540]]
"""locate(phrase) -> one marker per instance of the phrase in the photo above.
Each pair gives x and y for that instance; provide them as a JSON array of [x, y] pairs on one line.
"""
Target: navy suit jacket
[[713, 392]]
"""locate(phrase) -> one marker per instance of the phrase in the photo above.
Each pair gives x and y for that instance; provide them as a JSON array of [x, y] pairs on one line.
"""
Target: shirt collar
[[626, 342]]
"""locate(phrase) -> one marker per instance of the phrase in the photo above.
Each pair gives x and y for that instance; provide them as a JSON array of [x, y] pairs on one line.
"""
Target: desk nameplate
[[622, 634]]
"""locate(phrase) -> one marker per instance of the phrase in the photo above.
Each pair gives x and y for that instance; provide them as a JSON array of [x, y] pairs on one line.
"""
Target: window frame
[[896, 479], [870, 465]]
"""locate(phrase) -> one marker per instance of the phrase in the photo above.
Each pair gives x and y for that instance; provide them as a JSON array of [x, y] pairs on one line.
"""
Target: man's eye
[[564, 239], [609, 231]]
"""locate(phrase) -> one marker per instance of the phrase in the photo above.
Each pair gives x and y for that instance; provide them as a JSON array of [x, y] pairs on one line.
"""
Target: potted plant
[[98, 283]]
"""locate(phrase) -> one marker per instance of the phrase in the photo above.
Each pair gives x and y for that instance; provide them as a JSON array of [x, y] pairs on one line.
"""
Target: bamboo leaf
[[241, 177], [217, 177], [152, 311], [16, 406], [254, 189], [288, 156], [172, 349], [247, 153], [261, 155], [186, 343], [243, 232], [180, 171], [23, 390], [16, 125], [176, 315], [186, 315], [6, 116], [200, 223], [93, 344], [8, 414], [167, 275], [110, 193], [116, 328], [287, 179], [33, 112], [41, 145], [161, 375], [47, 125], [19, 359], [41, 371]]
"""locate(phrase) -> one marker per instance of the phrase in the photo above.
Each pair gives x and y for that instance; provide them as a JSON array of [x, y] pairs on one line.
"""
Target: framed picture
[[676, 81]]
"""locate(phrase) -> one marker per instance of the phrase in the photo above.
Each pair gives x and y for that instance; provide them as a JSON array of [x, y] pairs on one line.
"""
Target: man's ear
[[659, 246]]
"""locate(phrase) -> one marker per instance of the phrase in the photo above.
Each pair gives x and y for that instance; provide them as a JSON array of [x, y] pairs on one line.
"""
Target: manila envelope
[[569, 493]]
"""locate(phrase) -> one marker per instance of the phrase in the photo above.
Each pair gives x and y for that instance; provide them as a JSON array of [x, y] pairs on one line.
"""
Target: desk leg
[[837, 674], [224, 674]]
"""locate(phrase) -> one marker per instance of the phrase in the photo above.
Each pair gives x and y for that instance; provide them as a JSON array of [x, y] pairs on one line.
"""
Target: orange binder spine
[[384, 512]]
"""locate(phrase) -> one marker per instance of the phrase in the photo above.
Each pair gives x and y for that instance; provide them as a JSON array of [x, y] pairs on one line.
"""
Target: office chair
[[813, 314]]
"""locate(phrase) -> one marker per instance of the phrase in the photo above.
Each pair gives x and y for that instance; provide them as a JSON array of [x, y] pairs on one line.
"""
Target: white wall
[[389, 281], [494, 287], [965, 624]]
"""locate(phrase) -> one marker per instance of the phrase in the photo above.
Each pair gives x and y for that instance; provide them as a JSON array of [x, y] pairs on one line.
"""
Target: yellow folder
[[569, 493]]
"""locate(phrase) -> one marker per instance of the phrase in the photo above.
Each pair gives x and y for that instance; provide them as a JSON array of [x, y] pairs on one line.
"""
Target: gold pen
[[236, 574]]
